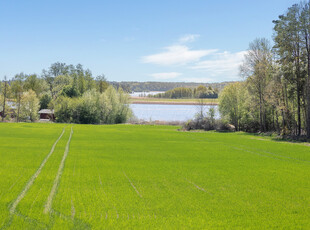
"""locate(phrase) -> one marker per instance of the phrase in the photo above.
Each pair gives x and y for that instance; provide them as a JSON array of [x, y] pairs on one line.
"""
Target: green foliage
[[180, 92], [292, 43], [1, 96], [115, 106], [36, 84], [59, 83], [272, 97], [183, 92], [66, 88], [1, 102], [102, 83], [110, 107], [30, 105], [234, 105], [64, 109], [70, 91], [45, 101], [18, 85], [88, 109], [72, 81]]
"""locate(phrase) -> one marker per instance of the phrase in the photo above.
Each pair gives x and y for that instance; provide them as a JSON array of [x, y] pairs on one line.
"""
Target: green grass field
[[149, 177]]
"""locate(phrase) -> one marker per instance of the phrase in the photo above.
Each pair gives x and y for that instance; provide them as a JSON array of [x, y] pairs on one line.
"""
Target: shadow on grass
[[279, 138]]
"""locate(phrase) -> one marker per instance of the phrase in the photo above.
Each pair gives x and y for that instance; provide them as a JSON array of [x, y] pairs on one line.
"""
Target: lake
[[153, 112]]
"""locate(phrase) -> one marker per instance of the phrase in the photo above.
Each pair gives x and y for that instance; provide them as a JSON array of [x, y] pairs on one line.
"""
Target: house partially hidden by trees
[[63, 93], [47, 114]]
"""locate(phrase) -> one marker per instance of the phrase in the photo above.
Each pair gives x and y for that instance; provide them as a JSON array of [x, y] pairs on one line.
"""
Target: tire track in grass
[[35, 223], [49, 201], [34, 176], [79, 222], [101, 185], [134, 187], [198, 187], [72, 210]]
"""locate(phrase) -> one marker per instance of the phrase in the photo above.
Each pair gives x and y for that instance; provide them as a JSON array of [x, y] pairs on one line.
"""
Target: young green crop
[[151, 177]]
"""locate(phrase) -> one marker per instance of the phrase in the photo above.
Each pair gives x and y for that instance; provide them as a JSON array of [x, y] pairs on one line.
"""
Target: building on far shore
[[47, 114]]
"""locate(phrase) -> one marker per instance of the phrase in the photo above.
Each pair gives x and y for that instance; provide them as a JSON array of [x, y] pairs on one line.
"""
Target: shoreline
[[171, 103], [165, 101]]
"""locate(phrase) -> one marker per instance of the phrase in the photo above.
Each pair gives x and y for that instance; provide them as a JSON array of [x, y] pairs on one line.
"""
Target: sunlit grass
[[130, 176]]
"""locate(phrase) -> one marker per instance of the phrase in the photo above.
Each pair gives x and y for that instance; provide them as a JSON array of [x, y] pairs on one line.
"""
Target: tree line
[[70, 90], [275, 95], [130, 86], [184, 92]]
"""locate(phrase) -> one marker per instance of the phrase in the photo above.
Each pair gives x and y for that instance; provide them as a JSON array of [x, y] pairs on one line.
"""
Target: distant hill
[[130, 86]]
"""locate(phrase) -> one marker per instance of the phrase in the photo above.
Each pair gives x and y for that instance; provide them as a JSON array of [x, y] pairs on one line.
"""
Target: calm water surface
[[153, 112]]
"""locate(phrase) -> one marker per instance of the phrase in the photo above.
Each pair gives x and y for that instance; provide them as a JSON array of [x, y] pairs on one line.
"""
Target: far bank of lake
[[168, 101], [169, 112]]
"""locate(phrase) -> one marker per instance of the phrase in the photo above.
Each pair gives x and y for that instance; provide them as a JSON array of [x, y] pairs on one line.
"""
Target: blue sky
[[162, 40]]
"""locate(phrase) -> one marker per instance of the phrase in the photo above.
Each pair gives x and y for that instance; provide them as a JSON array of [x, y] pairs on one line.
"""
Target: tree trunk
[[308, 98], [4, 97], [298, 112], [18, 108], [260, 110], [298, 91], [277, 123]]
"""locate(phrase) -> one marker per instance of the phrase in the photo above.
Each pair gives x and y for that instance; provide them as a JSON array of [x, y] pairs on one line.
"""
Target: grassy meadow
[[149, 177]]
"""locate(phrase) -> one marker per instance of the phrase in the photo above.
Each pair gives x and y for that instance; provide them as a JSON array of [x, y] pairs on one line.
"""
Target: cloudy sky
[[137, 40]]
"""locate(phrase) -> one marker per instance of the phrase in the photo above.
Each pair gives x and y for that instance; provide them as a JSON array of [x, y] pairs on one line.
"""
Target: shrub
[[109, 107], [30, 105], [44, 101], [208, 124]]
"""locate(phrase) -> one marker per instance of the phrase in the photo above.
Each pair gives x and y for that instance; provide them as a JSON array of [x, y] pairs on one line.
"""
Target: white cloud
[[165, 76], [188, 38], [206, 65], [177, 55], [221, 64]]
